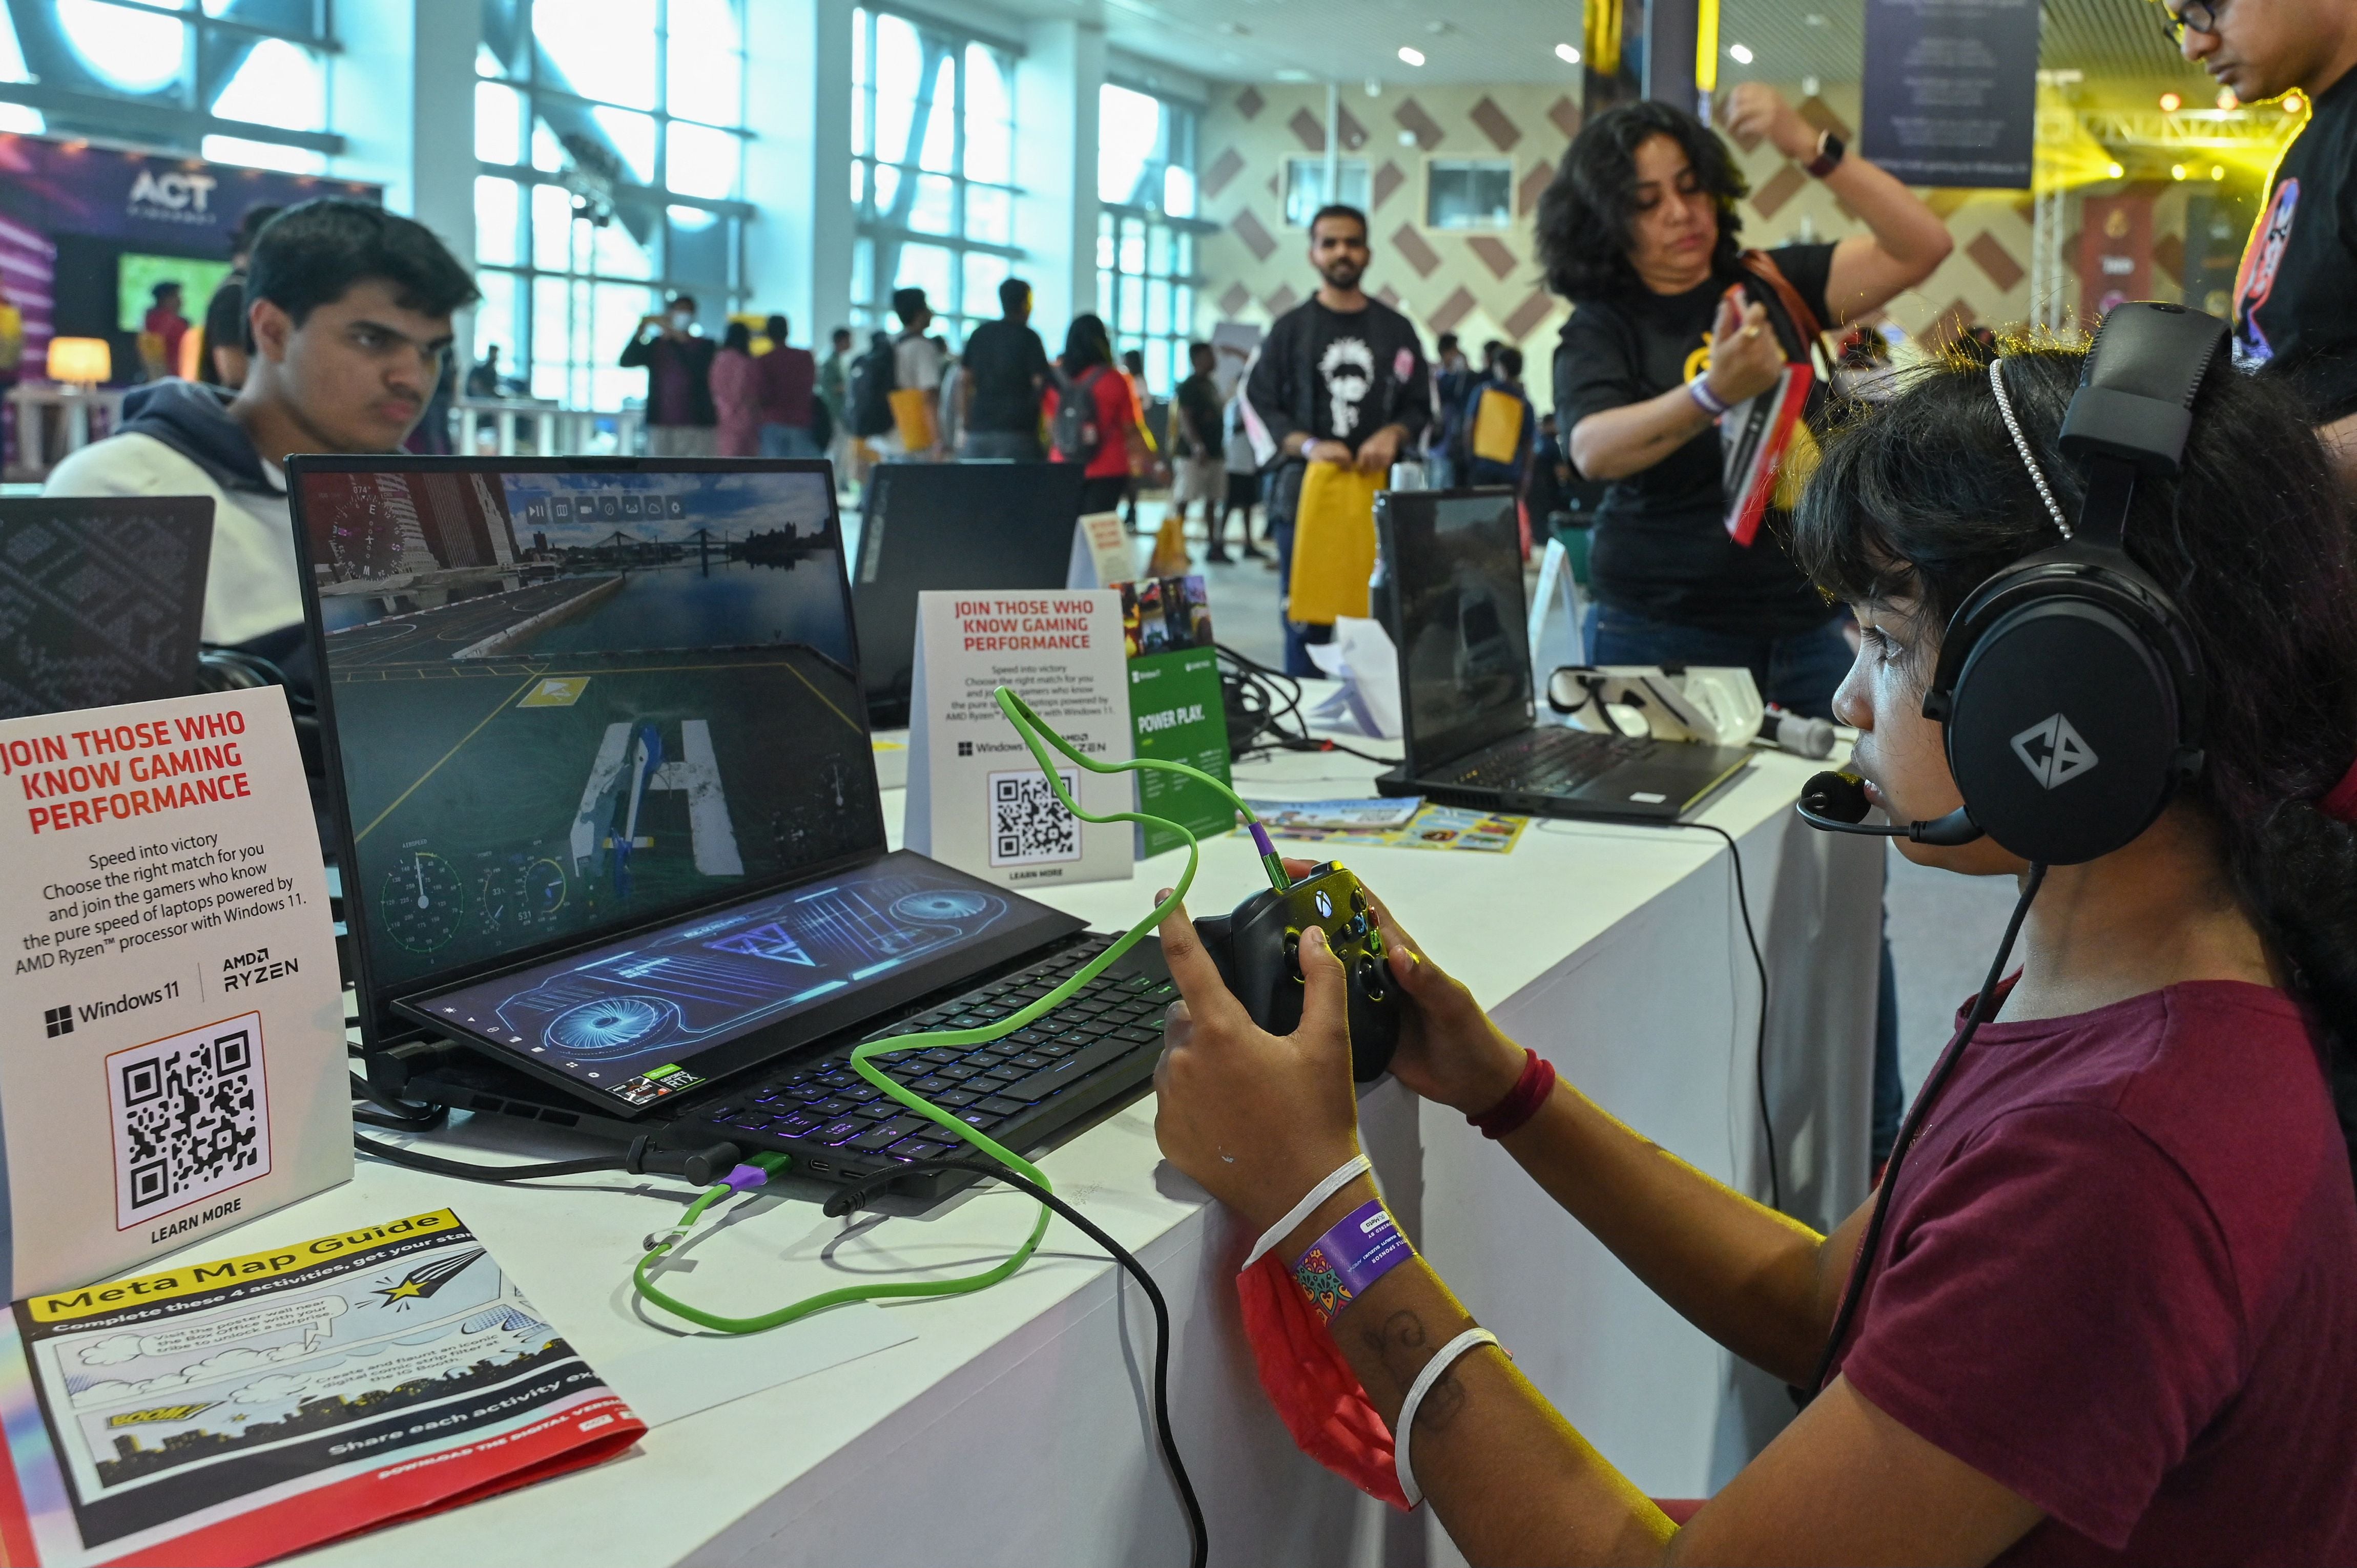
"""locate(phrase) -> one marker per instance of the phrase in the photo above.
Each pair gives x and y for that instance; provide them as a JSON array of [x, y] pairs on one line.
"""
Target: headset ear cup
[[2063, 726]]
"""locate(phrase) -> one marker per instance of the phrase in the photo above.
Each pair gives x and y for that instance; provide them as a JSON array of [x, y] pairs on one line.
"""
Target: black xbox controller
[[1258, 950]]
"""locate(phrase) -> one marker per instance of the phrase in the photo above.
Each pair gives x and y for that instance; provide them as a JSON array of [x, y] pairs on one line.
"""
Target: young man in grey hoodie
[[350, 310]]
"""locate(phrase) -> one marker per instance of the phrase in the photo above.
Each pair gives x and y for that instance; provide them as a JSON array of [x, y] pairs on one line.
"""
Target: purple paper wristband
[[1361, 1248]]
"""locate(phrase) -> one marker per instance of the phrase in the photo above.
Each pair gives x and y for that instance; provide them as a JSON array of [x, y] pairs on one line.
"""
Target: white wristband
[[1349, 1171], [1415, 1393]]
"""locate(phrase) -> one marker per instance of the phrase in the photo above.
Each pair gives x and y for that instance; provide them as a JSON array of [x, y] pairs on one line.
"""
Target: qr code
[[191, 1118], [1029, 826]]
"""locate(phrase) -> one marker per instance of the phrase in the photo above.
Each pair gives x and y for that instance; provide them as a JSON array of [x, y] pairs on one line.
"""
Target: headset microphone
[[1836, 803]]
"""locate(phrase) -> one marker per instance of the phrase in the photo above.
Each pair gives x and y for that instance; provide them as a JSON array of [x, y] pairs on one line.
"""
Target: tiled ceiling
[[1355, 41]]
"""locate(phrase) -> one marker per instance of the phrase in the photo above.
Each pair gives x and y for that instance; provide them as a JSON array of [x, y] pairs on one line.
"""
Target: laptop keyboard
[[1551, 761], [826, 1103]]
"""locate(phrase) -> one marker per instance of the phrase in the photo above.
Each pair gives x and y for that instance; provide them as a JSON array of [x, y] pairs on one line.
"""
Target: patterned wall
[[1485, 284]]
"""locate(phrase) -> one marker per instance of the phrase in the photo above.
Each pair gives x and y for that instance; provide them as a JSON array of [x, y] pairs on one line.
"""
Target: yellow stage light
[[2170, 103], [2114, 170], [2177, 171]]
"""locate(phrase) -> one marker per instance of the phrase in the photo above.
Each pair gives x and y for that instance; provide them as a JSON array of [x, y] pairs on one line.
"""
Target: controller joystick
[[1258, 950]]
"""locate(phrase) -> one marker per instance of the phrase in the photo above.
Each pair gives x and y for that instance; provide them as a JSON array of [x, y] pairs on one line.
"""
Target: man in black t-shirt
[[1006, 376], [1341, 379], [2294, 311]]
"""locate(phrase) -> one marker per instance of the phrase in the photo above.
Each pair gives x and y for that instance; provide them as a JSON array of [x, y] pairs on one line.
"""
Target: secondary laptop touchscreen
[[572, 699], [644, 1018], [1465, 669]]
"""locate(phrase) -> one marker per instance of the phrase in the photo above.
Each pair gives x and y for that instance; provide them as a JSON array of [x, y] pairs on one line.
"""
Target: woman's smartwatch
[[1830, 149]]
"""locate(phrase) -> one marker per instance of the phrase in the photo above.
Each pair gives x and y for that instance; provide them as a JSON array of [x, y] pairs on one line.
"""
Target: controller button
[[1358, 900]]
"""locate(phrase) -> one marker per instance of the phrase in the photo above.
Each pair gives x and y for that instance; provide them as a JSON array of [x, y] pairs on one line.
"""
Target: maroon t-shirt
[[786, 378], [2120, 1277]]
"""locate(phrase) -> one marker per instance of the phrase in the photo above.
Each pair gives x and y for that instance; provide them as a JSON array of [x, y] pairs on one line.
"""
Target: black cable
[[495, 1173], [383, 1109], [1760, 1049], [1257, 683], [1985, 1007], [642, 1156], [855, 1195]]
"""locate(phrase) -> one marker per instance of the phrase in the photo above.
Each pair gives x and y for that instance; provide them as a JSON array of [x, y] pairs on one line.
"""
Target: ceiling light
[[1809, 86], [2170, 103], [1815, 19], [2226, 99], [2114, 170], [1570, 56], [1411, 57], [2217, 171], [1741, 53], [1292, 74], [1374, 88], [2177, 171]]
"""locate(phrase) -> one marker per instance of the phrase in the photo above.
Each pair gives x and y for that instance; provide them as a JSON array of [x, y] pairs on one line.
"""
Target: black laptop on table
[[614, 854], [976, 526], [1450, 595], [101, 601]]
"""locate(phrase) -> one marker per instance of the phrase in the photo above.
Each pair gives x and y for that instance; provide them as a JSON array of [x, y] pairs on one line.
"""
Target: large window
[[1305, 187], [609, 145], [236, 80], [932, 171], [1146, 228]]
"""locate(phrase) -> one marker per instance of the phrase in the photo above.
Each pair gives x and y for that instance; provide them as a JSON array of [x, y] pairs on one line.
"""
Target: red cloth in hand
[[1316, 1393]]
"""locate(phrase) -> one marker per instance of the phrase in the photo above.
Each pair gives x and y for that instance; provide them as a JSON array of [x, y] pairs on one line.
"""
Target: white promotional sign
[[1101, 553], [171, 1022], [977, 800]]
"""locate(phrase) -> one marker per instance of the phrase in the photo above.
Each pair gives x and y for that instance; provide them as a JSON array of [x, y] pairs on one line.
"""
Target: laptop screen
[[1455, 564], [573, 697], [641, 1019], [101, 600], [969, 526]]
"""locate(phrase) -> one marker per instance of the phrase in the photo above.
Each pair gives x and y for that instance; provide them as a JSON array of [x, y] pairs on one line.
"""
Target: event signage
[[977, 800], [1176, 708], [171, 1019], [1950, 92]]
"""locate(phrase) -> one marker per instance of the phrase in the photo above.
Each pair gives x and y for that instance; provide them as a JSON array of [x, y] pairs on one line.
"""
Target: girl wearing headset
[[2112, 1314]]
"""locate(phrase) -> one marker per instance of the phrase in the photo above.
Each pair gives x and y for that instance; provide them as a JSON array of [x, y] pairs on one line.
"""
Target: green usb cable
[[1038, 738]]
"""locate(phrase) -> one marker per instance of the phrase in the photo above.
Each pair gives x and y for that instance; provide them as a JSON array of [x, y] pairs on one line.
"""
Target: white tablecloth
[[1014, 1427]]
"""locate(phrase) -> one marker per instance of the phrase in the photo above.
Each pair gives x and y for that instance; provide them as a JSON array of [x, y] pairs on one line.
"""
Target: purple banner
[[145, 200]]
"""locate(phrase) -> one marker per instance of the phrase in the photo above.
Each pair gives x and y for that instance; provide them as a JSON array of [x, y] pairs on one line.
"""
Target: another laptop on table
[[613, 846], [1451, 596], [977, 526], [101, 601]]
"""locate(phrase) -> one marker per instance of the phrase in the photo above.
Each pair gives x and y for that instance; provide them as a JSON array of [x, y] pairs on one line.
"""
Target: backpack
[[872, 378], [1075, 433]]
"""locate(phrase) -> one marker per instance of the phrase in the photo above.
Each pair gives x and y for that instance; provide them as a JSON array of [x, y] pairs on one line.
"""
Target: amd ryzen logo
[[2053, 751]]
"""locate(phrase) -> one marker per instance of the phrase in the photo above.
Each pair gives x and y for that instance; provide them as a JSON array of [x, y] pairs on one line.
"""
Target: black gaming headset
[[2071, 691]]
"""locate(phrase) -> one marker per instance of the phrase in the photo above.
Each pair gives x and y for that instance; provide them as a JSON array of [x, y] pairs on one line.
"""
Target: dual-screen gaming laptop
[[1450, 595], [612, 846]]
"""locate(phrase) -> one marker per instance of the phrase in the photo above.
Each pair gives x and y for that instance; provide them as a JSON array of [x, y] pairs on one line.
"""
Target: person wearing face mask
[[348, 308], [2293, 312], [680, 419]]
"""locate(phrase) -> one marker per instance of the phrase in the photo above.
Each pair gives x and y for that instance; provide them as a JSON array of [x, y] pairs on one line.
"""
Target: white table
[[1015, 1427]]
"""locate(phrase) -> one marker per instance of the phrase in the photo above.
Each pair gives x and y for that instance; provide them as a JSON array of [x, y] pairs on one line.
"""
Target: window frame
[[877, 240], [1165, 351], [587, 355], [178, 116], [1505, 218], [1343, 168]]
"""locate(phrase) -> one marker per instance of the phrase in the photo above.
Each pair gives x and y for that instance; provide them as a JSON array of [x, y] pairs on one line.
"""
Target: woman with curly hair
[[1638, 230]]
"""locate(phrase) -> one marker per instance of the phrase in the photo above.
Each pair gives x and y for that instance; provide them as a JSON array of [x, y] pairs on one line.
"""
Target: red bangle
[[1522, 1101]]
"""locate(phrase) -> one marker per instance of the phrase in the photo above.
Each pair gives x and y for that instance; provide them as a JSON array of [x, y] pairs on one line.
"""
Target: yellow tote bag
[[1170, 559], [913, 418], [1498, 426], [1333, 545]]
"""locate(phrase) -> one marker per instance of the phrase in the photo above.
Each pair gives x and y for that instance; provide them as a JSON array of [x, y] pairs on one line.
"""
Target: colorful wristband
[[1709, 400], [1522, 1101], [1361, 1248]]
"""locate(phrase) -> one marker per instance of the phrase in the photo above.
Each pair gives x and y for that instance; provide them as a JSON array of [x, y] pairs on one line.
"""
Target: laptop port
[[816, 1165]]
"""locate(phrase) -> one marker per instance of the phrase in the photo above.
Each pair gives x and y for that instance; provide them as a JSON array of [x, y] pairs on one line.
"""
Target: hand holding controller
[[1258, 952]]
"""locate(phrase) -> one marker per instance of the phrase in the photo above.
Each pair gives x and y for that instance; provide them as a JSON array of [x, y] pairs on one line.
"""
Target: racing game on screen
[[573, 701]]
